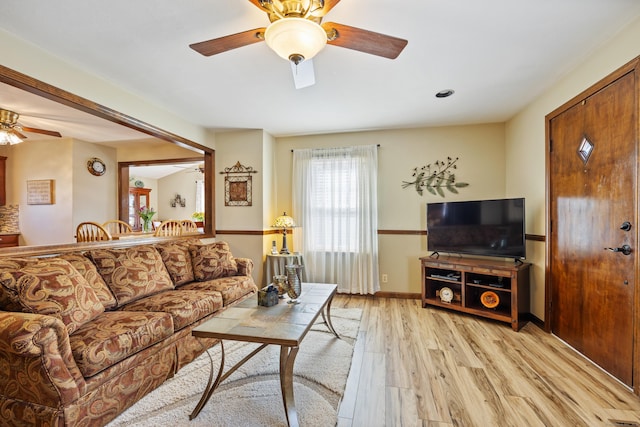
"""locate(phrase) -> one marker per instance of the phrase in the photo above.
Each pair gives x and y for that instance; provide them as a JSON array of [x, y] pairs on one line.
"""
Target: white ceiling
[[160, 171], [42, 113], [497, 55]]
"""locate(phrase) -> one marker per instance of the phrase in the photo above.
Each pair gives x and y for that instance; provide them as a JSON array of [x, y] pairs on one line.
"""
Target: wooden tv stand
[[470, 278]]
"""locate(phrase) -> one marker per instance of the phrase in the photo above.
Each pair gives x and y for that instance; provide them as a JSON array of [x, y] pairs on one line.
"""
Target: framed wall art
[[237, 185], [40, 192]]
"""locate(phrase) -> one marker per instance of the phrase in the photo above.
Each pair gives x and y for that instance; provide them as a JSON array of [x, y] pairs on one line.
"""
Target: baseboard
[[398, 295], [535, 320], [403, 295]]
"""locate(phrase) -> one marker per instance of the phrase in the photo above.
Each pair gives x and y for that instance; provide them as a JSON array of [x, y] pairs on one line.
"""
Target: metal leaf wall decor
[[436, 177]]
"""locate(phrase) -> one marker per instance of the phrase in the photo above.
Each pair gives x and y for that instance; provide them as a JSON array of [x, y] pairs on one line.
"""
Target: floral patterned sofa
[[86, 334]]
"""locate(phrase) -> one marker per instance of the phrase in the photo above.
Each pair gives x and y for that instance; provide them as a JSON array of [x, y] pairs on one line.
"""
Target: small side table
[[275, 265]]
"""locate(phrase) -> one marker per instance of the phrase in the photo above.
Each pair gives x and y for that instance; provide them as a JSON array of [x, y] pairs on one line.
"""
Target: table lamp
[[284, 221]]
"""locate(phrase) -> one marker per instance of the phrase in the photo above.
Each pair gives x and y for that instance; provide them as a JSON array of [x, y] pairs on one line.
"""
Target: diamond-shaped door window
[[585, 150]]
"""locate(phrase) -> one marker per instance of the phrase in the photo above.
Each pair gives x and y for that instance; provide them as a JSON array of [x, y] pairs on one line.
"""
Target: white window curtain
[[335, 204], [199, 195]]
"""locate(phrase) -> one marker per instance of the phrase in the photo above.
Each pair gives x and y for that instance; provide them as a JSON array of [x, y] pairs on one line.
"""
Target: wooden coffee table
[[283, 324]]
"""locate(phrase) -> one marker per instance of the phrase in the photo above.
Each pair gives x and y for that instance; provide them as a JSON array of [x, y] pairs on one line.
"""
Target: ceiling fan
[[195, 168], [11, 132], [296, 33]]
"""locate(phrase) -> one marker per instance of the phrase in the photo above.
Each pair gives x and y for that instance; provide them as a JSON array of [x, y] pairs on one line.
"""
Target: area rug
[[251, 396]]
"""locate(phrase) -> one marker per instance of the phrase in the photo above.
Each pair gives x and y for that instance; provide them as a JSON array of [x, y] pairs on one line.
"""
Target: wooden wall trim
[[404, 232], [244, 232], [162, 161], [533, 237], [45, 90], [209, 185], [615, 75]]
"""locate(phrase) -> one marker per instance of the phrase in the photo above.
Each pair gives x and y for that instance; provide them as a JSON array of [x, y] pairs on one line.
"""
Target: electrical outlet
[[385, 278]]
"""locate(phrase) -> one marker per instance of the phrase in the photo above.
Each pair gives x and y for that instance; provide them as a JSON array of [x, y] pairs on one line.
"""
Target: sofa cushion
[[89, 271], [185, 307], [177, 259], [212, 261], [115, 335], [48, 286], [231, 288], [132, 273]]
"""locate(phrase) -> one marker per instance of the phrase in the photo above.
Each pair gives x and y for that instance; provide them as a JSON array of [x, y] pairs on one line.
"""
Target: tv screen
[[480, 227]]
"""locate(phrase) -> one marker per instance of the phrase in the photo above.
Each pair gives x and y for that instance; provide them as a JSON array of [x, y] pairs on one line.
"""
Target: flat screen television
[[492, 228]]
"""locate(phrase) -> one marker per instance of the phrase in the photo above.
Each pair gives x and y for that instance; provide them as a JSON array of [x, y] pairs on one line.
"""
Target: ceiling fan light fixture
[[9, 138], [295, 39], [8, 117]]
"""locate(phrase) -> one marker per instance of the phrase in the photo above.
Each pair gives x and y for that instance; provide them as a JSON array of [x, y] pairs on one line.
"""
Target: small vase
[[146, 225], [280, 282], [294, 282]]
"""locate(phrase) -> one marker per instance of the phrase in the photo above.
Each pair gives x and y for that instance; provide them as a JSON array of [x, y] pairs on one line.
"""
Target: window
[[199, 195], [332, 206], [335, 205]]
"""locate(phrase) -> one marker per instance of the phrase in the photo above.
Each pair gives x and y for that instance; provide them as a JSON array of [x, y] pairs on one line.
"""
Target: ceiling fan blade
[[259, 5], [303, 74], [18, 134], [41, 131], [233, 41], [328, 5], [364, 40]]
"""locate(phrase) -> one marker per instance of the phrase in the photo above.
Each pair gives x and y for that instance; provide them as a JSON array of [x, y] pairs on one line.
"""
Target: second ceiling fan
[[11, 132], [296, 33]]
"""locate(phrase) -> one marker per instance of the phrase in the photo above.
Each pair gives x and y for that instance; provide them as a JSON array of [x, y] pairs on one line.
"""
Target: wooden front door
[[592, 195]]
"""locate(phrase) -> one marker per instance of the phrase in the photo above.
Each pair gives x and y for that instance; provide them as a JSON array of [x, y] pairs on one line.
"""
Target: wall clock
[[96, 166]]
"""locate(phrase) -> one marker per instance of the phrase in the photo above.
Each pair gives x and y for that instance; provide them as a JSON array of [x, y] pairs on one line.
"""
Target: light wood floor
[[415, 366]]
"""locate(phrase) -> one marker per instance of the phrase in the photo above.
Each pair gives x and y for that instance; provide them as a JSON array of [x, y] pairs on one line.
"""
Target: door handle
[[625, 249]]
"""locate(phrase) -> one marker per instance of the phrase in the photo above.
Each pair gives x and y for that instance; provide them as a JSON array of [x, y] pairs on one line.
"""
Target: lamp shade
[[292, 38], [7, 137], [284, 221]]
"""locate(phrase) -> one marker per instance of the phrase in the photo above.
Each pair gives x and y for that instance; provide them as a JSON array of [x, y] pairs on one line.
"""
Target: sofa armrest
[[38, 365], [245, 266]]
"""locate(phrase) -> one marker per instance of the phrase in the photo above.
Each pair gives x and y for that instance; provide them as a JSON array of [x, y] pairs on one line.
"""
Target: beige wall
[[251, 148], [78, 195], [32, 160], [525, 142], [480, 149], [150, 149], [94, 198], [245, 147], [183, 183]]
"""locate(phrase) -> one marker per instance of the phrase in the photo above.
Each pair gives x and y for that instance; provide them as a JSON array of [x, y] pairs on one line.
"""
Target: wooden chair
[[189, 226], [170, 227], [115, 226], [91, 232]]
